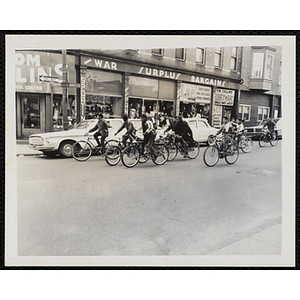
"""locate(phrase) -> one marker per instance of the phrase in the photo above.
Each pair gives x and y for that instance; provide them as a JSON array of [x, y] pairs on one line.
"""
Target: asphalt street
[[89, 208]]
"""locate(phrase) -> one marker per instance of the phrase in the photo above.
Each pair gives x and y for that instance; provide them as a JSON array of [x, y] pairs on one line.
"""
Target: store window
[[180, 53], [200, 54], [158, 52], [203, 110], [233, 60], [31, 112], [143, 87], [263, 113], [58, 112], [103, 94], [244, 112], [218, 57]]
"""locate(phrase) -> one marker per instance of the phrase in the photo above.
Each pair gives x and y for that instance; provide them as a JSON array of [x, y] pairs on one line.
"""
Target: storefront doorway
[[32, 109]]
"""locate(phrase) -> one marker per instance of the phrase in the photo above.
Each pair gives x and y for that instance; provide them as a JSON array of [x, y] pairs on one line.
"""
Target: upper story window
[[280, 74], [233, 60], [269, 66], [218, 57], [200, 55], [180, 53], [258, 65], [159, 52]]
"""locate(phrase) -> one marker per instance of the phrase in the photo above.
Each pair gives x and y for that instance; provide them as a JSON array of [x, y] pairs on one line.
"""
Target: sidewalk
[[267, 241], [23, 149]]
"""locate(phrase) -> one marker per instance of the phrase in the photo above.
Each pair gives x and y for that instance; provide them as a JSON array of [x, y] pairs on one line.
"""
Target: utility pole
[[64, 86]]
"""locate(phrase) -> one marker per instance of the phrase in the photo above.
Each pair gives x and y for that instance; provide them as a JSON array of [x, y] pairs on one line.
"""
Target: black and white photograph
[[150, 150]]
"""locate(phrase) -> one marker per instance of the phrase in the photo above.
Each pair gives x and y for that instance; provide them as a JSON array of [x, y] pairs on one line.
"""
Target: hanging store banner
[[217, 116], [195, 93], [203, 94], [223, 97], [30, 66]]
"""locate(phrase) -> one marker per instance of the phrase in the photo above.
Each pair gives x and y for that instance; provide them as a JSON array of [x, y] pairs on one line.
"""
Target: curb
[[29, 154]]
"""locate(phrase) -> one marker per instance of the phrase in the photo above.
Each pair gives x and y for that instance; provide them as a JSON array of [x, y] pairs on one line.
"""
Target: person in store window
[[193, 111]]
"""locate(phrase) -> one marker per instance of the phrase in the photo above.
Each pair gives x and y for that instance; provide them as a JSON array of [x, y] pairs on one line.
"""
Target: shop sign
[[111, 65], [217, 116], [31, 66], [82, 89], [208, 81], [224, 97], [195, 93], [203, 94]]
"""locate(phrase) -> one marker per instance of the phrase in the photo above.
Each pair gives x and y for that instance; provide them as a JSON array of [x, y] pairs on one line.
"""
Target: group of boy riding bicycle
[[230, 131], [179, 126]]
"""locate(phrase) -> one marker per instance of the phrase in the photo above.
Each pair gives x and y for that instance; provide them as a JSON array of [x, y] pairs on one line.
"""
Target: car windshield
[[84, 124]]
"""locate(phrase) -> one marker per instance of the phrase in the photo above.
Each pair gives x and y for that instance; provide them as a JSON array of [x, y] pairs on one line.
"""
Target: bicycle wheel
[[81, 150], [113, 155], [231, 154], [211, 140], [173, 151], [144, 157], [193, 152], [262, 140], [162, 153], [274, 139], [246, 144], [130, 156], [211, 156]]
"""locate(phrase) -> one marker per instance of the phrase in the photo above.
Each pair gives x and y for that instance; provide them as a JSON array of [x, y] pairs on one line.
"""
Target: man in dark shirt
[[130, 130], [271, 125], [182, 128], [102, 129]]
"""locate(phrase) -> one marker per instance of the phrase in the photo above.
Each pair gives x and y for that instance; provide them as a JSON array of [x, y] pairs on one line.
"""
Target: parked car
[[256, 131], [201, 129]]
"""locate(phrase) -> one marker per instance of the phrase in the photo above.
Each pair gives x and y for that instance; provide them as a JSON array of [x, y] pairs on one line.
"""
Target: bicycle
[[244, 142], [83, 149], [266, 137], [213, 153], [176, 143], [133, 153]]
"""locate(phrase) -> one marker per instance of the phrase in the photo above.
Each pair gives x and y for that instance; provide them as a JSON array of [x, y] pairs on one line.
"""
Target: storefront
[[195, 100], [114, 87], [152, 96], [39, 104], [223, 105]]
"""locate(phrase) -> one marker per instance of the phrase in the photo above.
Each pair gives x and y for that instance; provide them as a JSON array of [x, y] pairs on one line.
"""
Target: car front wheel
[[65, 149]]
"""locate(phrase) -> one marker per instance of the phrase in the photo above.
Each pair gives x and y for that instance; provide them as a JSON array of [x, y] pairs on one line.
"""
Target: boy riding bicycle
[[130, 130], [101, 130]]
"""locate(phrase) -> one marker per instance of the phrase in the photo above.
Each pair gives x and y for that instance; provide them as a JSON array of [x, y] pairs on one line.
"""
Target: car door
[[203, 131], [194, 127]]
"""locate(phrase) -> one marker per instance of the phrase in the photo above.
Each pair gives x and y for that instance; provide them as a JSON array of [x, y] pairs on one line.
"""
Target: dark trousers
[[103, 137], [149, 141]]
